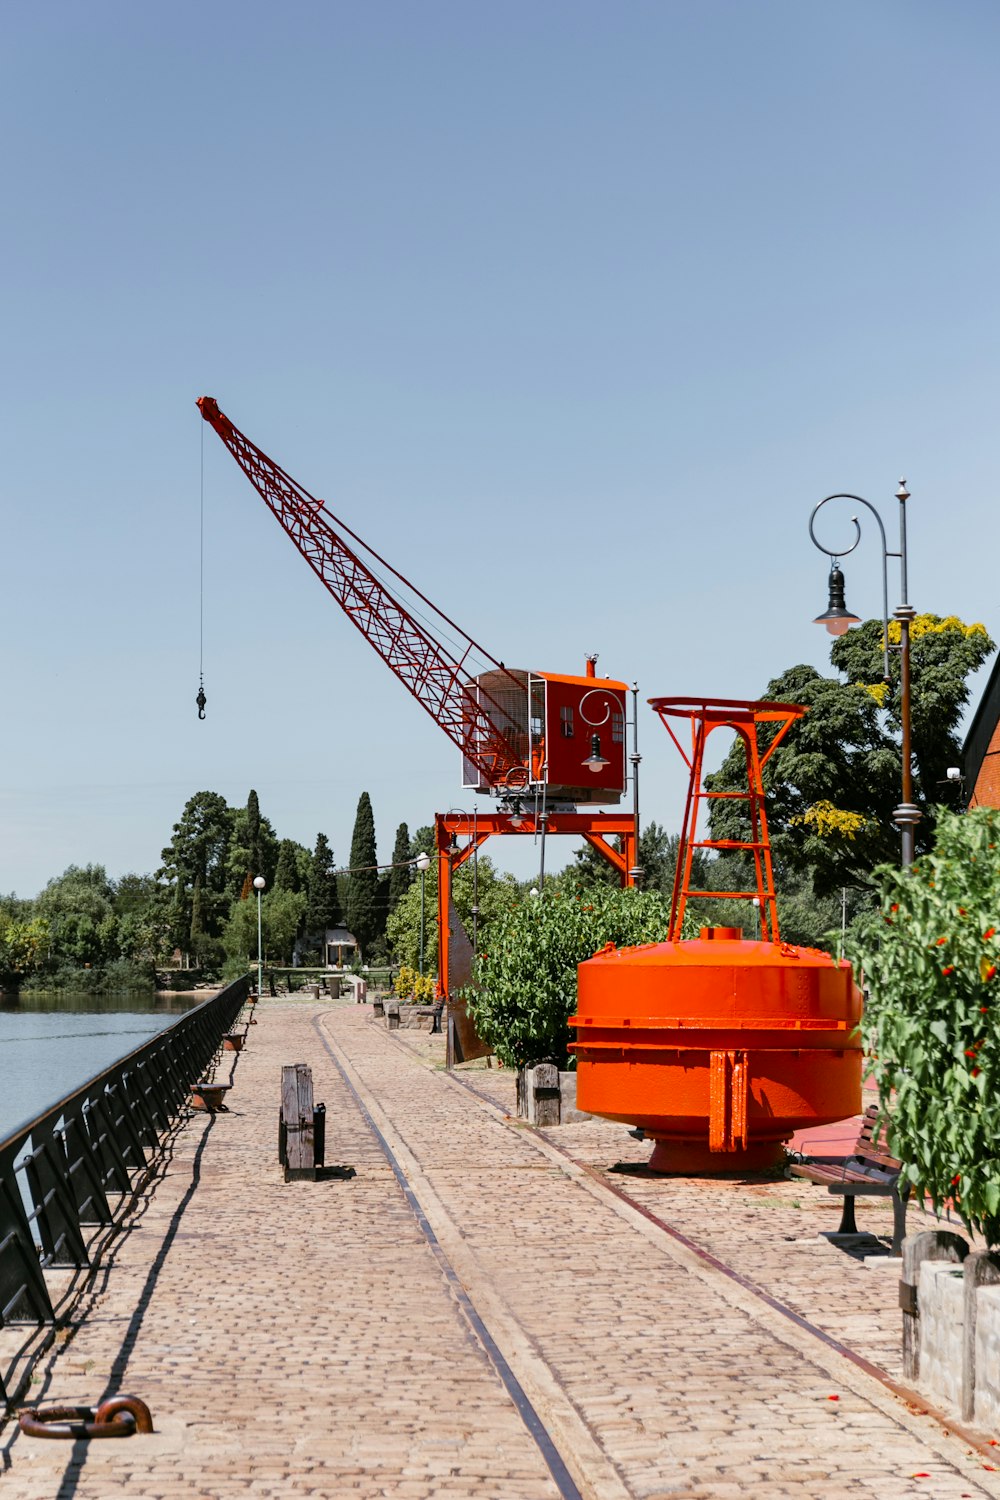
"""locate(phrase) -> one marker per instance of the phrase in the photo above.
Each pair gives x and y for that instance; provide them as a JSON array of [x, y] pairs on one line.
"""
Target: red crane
[[558, 738], [515, 729]]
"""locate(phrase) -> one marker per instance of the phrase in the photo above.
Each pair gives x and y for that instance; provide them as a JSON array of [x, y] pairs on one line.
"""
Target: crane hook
[[201, 700]]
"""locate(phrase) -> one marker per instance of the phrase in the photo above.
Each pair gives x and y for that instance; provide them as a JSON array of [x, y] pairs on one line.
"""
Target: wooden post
[[297, 1114], [392, 1015], [538, 1094], [930, 1244]]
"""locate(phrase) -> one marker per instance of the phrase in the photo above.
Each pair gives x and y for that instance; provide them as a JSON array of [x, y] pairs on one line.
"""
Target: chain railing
[[69, 1177]]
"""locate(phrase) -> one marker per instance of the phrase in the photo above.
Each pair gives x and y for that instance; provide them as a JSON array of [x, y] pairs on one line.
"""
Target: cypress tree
[[401, 874], [286, 875], [253, 833], [323, 909], [363, 882]]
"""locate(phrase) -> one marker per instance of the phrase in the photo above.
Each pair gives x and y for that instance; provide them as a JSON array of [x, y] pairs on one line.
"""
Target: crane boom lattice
[[439, 678]]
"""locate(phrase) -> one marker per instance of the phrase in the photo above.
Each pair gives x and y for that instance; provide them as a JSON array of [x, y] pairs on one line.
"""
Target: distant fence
[[69, 1177]]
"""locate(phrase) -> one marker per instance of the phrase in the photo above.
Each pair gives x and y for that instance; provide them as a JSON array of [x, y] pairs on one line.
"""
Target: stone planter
[[419, 1017], [547, 1096]]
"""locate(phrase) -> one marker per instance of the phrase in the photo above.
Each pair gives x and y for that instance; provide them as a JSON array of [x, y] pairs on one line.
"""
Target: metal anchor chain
[[119, 1416]]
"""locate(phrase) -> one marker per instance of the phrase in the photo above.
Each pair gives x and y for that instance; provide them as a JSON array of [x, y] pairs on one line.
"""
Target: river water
[[51, 1044]]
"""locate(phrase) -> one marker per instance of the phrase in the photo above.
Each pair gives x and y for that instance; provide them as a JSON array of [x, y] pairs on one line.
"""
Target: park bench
[[869, 1172], [209, 1097]]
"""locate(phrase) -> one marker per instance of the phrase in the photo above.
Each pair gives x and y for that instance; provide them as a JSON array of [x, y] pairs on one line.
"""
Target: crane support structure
[[438, 677], [450, 829]]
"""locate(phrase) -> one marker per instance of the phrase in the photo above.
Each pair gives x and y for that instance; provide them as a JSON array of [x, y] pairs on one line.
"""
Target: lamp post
[[837, 618], [423, 864], [258, 884]]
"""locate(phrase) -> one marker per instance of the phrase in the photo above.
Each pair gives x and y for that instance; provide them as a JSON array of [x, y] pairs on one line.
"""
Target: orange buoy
[[719, 1048]]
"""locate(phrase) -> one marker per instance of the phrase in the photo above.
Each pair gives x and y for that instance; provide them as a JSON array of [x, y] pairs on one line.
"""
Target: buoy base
[[680, 1158]]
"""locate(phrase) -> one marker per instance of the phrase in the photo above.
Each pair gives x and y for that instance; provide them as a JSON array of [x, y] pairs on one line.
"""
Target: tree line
[[199, 909]]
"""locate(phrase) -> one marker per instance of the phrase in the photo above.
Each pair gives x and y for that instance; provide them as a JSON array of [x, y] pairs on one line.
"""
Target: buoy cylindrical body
[[718, 1048]]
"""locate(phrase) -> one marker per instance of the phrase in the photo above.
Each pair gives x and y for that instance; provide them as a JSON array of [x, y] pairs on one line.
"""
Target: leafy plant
[[23, 947], [402, 985], [527, 979], [931, 959]]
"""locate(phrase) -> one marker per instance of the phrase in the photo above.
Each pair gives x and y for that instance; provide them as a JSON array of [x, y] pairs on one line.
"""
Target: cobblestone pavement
[[304, 1338]]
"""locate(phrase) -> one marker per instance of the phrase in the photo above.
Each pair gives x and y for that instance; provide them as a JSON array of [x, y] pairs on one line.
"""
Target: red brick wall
[[986, 792]]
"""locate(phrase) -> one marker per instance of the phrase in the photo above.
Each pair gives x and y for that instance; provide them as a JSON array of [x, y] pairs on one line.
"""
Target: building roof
[[340, 935]]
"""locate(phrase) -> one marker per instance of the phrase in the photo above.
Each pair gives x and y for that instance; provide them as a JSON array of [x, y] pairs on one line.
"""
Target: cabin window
[[566, 723], [618, 728]]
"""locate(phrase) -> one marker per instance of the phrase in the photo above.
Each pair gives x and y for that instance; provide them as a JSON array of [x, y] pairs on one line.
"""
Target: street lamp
[[837, 618], [423, 864], [258, 884]]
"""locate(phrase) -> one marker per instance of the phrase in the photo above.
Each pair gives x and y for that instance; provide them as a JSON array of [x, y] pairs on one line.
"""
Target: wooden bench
[[209, 1096], [869, 1172]]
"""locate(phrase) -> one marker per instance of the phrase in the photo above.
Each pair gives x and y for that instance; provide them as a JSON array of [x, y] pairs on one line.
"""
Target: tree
[[253, 849], [133, 893], [200, 842], [284, 910], [254, 859], [833, 782], [23, 948], [79, 890], [932, 960], [280, 915], [527, 977], [495, 895], [323, 904], [79, 910], [423, 842], [362, 904], [288, 873], [401, 874], [657, 860]]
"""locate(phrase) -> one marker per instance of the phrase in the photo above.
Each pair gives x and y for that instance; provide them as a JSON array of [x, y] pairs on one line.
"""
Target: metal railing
[[70, 1176]]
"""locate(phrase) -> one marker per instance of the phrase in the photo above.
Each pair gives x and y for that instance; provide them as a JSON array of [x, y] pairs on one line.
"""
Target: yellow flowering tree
[[835, 779]]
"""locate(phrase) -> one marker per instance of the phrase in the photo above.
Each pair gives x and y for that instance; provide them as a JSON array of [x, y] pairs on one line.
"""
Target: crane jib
[[470, 717]]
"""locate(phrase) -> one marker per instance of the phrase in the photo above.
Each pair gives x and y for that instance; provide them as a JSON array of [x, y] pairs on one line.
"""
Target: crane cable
[[201, 700]]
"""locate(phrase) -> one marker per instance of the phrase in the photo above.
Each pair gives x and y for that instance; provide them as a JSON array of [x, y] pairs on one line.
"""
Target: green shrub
[[527, 981], [402, 985], [931, 960]]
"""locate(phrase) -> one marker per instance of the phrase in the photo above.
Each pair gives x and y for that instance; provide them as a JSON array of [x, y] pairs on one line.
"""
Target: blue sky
[[573, 310]]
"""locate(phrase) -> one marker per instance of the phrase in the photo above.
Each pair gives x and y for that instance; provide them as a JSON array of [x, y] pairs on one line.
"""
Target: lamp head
[[259, 882], [423, 862], [595, 760], [836, 617]]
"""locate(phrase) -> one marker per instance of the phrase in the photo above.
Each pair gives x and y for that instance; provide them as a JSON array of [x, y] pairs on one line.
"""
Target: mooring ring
[[119, 1416]]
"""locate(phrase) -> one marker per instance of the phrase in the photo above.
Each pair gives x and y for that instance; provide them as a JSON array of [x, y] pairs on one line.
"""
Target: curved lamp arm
[[845, 551]]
